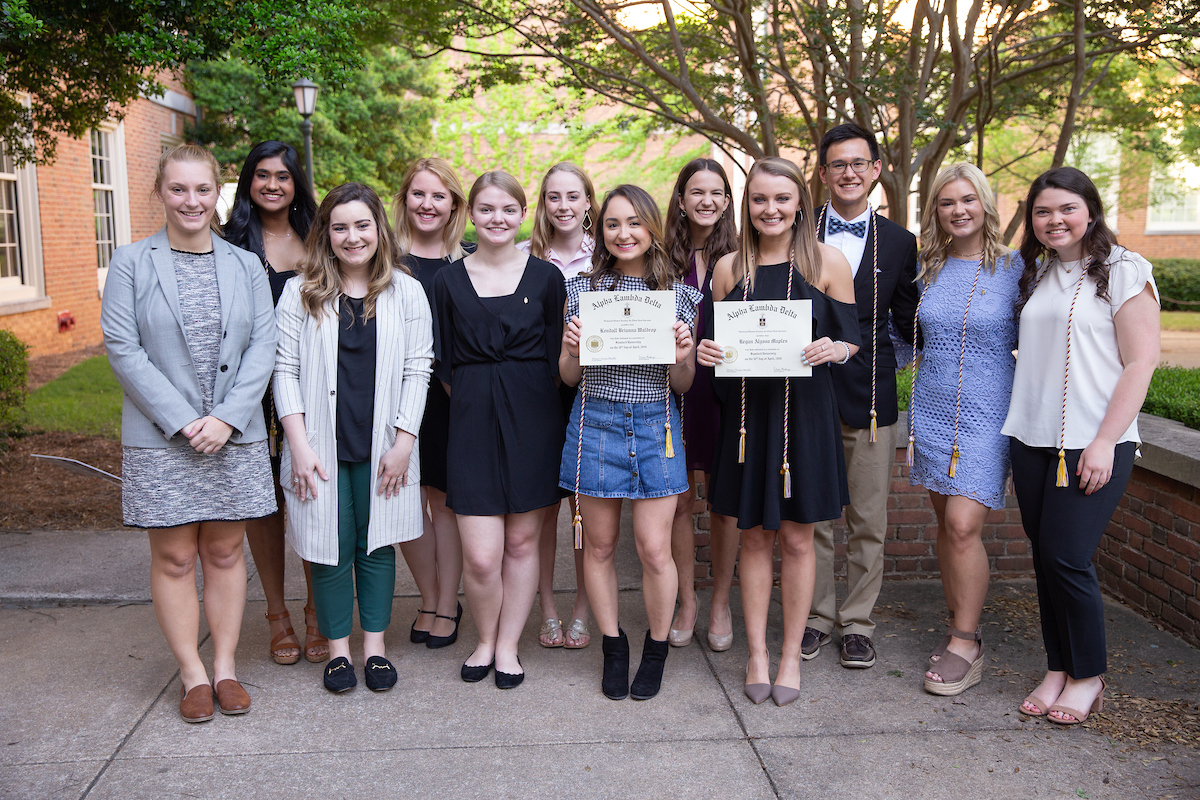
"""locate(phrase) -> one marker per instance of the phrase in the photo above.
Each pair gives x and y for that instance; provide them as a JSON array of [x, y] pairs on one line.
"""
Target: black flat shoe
[[509, 680], [379, 674], [419, 637], [339, 675], [476, 674], [434, 642]]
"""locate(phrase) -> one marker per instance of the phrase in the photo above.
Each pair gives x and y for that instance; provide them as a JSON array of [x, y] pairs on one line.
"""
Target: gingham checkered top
[[641, 383]]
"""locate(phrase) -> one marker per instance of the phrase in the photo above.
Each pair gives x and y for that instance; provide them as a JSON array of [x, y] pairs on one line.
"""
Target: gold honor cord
[[874, 234], [785, 469], [962, 351], [1060, 478]]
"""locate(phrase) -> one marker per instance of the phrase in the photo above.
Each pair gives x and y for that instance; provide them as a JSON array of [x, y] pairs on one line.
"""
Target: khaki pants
[[869, 474]]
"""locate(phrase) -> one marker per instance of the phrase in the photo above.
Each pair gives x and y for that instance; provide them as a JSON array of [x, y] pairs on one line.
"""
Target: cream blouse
[[1035, 411]]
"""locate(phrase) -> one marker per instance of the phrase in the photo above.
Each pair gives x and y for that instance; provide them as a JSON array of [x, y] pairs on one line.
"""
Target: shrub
[[1175, 394], [14, 372], [1179, 279]]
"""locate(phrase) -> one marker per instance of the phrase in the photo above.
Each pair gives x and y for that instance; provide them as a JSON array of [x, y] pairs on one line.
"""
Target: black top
[[898, 295], [753, 491], [500, 357], [278, 280], [355, 381]]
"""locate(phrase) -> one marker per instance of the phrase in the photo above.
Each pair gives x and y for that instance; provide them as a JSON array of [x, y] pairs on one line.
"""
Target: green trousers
[[374, 574]]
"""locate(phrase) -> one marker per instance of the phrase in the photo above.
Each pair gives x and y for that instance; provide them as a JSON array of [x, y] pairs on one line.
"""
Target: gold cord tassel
[[874, 427], [786, 472], [908, 458], [670, 444], [953, 461], [577, 526], [1061, 480], [742, 446]]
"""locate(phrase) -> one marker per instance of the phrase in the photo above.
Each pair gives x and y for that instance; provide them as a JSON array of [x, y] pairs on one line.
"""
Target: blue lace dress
[[987, 378]]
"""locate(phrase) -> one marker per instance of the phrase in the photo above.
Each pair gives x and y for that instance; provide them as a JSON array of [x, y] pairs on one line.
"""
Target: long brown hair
[[804, 233], [659, 272], [543, 229], [457, 223], [322, 276], [1098, 240], [935, 242], [723, 237]]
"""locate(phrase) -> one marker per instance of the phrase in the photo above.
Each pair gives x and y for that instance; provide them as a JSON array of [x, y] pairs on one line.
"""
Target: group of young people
[[351, 383]]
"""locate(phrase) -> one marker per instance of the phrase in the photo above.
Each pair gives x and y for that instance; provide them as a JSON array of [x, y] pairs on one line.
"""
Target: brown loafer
[[196, 705], [231, 697]]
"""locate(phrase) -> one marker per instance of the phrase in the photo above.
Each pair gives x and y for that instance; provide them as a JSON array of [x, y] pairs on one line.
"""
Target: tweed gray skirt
[[164, 487]]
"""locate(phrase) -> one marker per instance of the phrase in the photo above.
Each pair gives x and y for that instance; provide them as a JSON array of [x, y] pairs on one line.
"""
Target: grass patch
[[904, 386], [85, 399], [1175, 394], [1181, 320]]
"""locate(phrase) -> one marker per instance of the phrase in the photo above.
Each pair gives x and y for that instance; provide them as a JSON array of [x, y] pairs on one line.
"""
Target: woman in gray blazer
[[351, 377], [190, 335]]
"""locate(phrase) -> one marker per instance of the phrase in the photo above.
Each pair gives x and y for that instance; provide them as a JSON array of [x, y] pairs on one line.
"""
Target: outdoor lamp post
[[306, 103]]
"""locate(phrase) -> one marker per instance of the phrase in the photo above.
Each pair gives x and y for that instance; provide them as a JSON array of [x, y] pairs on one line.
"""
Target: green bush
[[1179, 279], [14, 372], [1175, 394]]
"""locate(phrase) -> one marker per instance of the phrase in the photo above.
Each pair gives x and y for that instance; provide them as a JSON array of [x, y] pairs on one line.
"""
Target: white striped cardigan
[[305, 382]]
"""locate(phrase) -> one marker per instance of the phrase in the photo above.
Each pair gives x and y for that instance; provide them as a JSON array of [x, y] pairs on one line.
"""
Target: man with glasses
[[883, 257]]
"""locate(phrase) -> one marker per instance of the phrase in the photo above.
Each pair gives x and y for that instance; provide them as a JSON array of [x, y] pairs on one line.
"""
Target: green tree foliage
[[758, 77], [368, 129], [68, 63]]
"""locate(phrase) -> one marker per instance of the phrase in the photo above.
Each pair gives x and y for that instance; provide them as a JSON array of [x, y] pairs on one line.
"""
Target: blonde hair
[[502, 181], [457, 223], [191, 154], [804, 236], [935, 242], [660, 272], [322, 275], [543, 229]]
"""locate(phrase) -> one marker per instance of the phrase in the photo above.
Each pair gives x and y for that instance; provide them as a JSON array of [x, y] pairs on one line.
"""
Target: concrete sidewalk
[[89, 701]]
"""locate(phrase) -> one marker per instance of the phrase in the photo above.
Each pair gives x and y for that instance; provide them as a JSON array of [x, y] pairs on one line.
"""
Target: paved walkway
[[89, 697], [1181, 348]]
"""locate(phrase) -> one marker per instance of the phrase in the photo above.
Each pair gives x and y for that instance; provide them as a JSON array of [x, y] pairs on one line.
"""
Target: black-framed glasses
[[859, 165]]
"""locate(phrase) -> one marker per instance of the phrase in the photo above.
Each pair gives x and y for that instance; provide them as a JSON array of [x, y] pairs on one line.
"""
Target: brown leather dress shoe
[[196, 705], [231, 697]]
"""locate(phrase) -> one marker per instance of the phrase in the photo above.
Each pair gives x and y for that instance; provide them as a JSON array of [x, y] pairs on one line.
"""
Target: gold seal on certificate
[[762, 338], [626, 328]]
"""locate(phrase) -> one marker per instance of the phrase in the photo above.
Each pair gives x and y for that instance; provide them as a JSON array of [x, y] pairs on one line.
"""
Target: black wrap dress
[[500, 357], [753, 491]]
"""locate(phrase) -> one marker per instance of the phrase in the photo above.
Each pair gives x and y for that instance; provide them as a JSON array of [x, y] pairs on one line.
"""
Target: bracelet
[[845, 347]]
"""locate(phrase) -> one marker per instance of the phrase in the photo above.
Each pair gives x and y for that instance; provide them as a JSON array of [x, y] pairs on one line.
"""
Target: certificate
[[626, 328], [763, 338]]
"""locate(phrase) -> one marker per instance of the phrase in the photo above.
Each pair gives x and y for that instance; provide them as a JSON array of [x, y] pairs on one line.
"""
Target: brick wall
[[1149, 557], [68, 229]]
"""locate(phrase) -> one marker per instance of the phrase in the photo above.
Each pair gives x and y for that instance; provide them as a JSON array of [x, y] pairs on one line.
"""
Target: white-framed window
[[1174, 205], [110, 195], [21, 280]]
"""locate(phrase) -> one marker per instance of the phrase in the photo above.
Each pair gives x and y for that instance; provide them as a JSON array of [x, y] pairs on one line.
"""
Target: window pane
[[10, 251], [101, 157], [105, 226]]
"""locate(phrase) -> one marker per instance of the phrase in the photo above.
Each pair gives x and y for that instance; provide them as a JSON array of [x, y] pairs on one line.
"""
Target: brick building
[[61, 222]]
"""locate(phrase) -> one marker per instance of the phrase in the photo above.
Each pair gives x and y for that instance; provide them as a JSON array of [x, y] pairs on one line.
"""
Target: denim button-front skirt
[[624, 450]]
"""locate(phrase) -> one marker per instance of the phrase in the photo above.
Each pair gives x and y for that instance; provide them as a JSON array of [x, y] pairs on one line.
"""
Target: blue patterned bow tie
[[836, 225]]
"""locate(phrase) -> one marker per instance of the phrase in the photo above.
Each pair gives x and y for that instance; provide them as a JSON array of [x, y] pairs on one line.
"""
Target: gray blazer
[[306, 383], [143, 333]]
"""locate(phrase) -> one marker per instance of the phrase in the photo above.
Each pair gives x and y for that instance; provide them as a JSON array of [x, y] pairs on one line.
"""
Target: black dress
[[500, 357], [753, 491]]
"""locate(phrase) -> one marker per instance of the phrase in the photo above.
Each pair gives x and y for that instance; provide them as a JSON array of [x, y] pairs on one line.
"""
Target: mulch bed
[[38, 496]]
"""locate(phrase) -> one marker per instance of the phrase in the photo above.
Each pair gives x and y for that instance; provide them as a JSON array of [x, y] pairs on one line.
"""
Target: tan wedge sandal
[[957, 674]]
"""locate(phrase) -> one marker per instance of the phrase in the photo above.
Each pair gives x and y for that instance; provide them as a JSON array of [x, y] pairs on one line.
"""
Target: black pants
[[1064, 526]]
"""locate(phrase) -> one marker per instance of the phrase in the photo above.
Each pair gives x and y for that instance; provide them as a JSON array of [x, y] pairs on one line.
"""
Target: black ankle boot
[[615, 683], [649, 675]]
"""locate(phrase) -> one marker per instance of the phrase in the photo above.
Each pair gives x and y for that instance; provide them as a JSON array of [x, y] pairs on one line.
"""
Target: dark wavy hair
[[1098, 240], [244, 228], [660, 273], [722, 239]]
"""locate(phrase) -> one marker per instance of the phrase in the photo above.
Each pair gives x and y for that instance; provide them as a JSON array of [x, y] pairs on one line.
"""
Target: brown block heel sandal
[[283, 653], [316, 646], [957, 674], [1080, 716]]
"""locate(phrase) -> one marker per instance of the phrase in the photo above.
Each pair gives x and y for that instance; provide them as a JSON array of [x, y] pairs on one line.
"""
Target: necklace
[[966, 256], [287, 235]]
